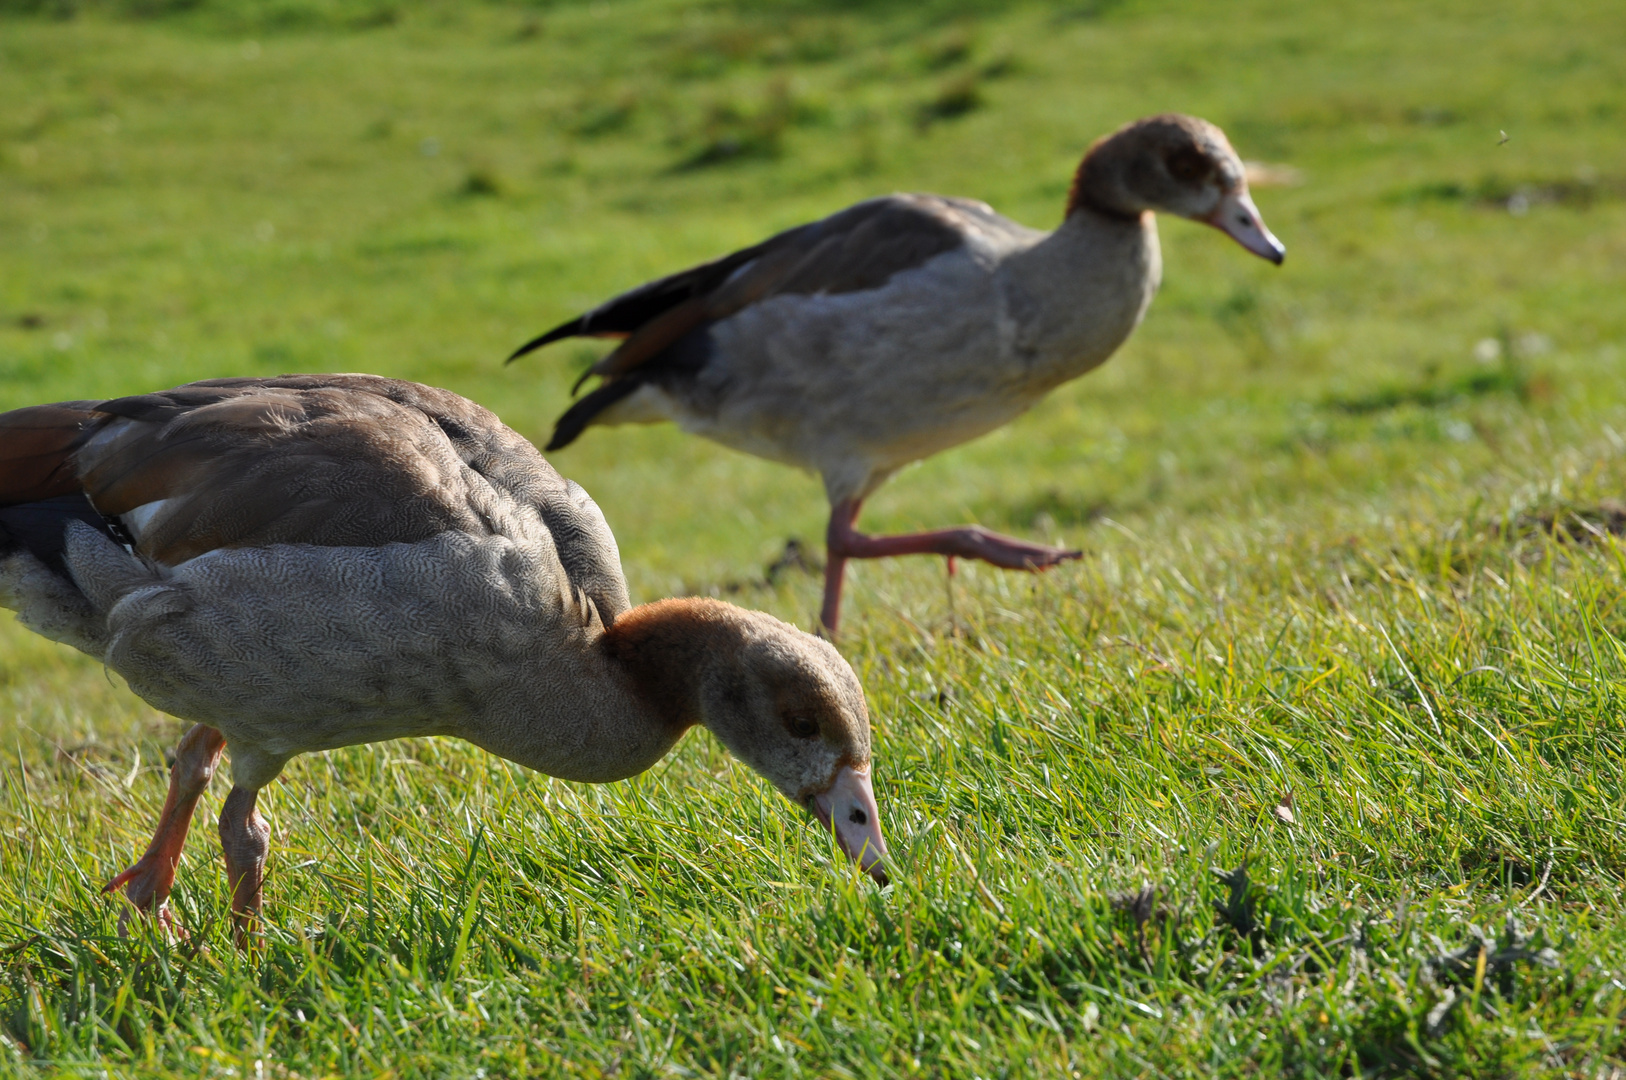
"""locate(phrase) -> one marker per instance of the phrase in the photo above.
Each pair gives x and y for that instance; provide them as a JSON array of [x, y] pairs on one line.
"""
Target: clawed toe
[[122, 879], [1012, 554], [143, 883], [146, 889], [1055, 557]]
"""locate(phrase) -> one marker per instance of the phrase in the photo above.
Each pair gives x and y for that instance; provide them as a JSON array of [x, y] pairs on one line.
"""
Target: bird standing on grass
[[307, 562], [908, 324]]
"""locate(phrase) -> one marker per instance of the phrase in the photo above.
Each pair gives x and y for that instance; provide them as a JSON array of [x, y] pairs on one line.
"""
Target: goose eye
[[1187, 164], [802, 727]]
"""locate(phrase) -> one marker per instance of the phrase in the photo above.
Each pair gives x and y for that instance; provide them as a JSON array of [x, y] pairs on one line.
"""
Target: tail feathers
[[580, 415], [574, 328], [36, 448], [41, 528]]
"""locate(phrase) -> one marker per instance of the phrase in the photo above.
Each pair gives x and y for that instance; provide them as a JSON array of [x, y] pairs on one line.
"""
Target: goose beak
[[1238, 218], [848, 807]]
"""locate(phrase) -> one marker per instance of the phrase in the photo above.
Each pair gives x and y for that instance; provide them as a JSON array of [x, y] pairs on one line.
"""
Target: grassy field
[[1315, 764]]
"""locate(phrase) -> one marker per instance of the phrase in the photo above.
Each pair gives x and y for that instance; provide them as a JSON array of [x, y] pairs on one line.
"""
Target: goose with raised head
[[301, 563], [908, 324]]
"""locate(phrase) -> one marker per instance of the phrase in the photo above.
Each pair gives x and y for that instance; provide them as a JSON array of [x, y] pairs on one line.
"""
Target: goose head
[[1173, 164], [781, 700]]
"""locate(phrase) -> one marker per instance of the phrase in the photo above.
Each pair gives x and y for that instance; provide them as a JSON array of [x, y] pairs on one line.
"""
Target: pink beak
[[1238, 218], [848, 807]]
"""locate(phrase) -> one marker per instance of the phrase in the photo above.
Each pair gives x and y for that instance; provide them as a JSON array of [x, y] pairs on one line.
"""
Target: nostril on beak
[[848, 807]]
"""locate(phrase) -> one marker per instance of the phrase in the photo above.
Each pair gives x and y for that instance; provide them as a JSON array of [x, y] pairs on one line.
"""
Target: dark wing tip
[[569, 426], [558, 333], [576, 418], [566, 429]]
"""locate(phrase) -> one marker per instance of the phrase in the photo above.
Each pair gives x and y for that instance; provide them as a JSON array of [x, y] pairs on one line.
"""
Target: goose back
[[329, 460]]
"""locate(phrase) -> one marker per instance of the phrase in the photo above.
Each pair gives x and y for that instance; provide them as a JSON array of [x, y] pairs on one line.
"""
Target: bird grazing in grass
[[307, 562], [908, 324]]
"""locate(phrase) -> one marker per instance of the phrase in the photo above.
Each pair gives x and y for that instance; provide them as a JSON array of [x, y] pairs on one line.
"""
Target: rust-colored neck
[[1095, 185], [666, 647]]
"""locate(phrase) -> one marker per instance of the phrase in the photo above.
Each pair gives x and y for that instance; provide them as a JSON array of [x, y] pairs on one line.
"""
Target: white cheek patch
[[136, 520]]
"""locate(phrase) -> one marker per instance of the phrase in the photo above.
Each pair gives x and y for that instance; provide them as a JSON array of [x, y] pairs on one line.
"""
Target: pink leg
[[967, 542], [245, 838], [147, 883], [835, 563]]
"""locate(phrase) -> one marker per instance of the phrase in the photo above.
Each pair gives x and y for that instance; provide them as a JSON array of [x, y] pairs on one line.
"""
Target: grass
[[1312, 766]]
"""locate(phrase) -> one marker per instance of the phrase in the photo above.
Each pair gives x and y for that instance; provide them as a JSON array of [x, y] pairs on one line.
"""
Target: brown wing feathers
[[338, 460], [265, 464], [632, 309], [36, 445], [39, 489], [856, 249]]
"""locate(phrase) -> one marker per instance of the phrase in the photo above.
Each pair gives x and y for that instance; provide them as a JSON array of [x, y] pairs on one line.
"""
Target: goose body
[[908, 324], [309, 562], [839, 383]]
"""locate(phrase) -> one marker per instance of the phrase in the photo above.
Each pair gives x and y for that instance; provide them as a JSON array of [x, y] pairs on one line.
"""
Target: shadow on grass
[[1435, 389]]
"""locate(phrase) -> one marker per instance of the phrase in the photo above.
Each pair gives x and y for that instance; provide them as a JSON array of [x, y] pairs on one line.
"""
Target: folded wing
[[337, 460], [857, 249]]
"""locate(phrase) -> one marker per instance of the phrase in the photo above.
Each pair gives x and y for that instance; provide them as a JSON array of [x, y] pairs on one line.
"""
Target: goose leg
[[835, 573], [245, 839], [967, 542], [147, 883]]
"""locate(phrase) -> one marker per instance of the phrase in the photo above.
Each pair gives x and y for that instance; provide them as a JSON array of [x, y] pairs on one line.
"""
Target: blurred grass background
[[1330, 512]]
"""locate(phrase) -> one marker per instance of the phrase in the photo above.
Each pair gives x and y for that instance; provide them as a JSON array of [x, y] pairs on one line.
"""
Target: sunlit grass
[[1350, 615]]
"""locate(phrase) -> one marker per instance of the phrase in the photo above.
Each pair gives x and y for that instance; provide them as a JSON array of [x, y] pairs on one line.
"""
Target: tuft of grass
[[734, 132], [1437, 389], [954, 98], [1580, 191], [481, 181], [605, 117], [952, 47]]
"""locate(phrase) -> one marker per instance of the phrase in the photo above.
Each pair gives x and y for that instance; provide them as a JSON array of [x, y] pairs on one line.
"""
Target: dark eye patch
[[802, 727], [1189, 165]]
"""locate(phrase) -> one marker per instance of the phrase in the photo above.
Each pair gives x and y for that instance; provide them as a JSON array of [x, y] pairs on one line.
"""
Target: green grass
[[1350, 615]]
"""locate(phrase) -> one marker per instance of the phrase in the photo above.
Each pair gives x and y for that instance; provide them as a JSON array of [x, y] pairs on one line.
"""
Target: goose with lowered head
[[908, 324], [301, 563]]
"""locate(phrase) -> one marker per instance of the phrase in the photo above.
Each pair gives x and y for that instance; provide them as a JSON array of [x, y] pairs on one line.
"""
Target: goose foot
[[147, 883], [967, 542]]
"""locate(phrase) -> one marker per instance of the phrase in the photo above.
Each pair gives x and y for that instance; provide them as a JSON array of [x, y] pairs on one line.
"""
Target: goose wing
[[336, 460], [857, 249]]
